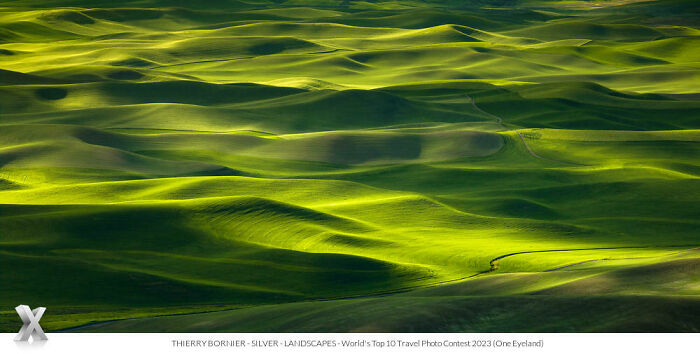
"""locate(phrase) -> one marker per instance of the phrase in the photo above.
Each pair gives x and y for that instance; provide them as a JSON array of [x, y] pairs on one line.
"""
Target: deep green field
[[311, 165]]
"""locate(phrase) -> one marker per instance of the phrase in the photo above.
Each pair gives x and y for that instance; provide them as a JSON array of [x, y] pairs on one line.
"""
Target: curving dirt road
[[499, 121], [494, 265]]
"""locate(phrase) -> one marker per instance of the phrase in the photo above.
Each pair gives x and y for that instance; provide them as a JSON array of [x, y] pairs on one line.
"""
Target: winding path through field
[[499, 120], [494, 265]]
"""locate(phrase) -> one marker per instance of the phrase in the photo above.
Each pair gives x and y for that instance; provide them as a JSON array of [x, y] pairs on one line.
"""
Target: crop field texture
[[345, 166]]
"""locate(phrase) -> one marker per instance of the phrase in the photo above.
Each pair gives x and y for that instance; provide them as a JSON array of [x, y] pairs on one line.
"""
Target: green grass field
[[362, 166]]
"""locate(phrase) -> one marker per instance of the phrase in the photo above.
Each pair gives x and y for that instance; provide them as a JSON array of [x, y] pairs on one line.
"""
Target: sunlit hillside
[[256, 165]]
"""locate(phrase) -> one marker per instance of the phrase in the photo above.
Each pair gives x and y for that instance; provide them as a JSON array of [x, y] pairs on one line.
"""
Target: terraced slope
[[518, 166]]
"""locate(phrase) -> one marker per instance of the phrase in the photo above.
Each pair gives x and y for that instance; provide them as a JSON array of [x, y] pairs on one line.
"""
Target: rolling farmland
[[256, 166]]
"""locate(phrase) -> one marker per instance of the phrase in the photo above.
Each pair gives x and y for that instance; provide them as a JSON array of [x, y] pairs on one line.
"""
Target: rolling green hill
[[311, 166]]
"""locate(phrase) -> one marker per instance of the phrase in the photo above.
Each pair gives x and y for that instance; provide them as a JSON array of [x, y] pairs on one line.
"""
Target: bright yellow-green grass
[[275, 166]]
